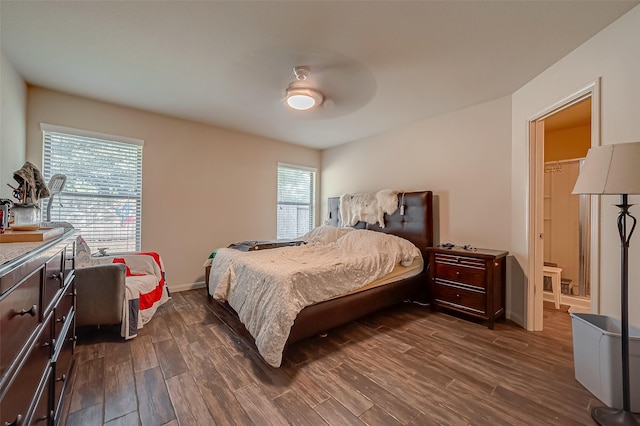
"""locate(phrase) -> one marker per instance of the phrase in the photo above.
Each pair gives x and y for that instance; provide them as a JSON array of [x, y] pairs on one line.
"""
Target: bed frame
[[416, 225]]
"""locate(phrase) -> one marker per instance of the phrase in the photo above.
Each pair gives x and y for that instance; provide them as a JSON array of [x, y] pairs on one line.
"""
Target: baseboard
[[176, 288], [579, 304]]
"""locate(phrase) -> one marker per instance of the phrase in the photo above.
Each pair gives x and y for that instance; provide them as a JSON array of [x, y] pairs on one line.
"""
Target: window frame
[[133, 193], [313, 196]]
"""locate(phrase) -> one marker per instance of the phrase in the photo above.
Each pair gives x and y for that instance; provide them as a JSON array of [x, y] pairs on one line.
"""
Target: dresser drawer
[[53, 279], [62, 366], [62, 311], [21, 391], [459, 297], [69, 259], [42, 412], [461, 269], [20, 310]]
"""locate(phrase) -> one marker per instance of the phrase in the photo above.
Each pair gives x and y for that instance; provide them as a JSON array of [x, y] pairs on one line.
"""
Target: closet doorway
[[563, 228], [567, 217]]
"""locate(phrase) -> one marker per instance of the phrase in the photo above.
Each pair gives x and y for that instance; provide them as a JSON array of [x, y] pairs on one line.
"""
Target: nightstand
[[471, 282]]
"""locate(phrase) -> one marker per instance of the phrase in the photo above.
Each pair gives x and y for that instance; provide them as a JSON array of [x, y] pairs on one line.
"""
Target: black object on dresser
[[37, 332], [470, 281]]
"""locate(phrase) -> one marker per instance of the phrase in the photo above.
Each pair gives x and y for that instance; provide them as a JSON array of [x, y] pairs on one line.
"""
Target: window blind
[[103, 194], [296, 200]]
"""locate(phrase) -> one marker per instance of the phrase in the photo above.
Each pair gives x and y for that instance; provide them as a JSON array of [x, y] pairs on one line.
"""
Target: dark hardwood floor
[[405, 365]]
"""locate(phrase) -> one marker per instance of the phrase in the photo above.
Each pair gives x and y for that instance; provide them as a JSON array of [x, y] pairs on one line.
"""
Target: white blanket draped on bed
[[268, 288]]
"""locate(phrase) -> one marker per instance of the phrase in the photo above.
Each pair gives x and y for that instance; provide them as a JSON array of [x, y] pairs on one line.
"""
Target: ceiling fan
[[329, 83], [300, 94]]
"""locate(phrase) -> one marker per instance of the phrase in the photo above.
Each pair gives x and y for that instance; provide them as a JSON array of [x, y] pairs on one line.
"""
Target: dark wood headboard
[[416, 225]]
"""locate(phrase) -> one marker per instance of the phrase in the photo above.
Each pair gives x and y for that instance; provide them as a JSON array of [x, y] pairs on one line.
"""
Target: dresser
[[471, 282], [37, 332]]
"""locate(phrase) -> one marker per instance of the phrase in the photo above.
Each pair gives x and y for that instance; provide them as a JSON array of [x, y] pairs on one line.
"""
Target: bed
[[414, 225]]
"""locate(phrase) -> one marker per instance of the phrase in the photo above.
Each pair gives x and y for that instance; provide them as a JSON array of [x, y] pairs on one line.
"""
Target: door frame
[[534, 318]]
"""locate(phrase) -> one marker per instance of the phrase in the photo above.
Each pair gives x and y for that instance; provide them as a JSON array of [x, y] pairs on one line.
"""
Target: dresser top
[[12, 253]]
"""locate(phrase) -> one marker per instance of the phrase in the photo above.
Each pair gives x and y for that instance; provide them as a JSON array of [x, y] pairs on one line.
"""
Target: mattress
[[400, 272]]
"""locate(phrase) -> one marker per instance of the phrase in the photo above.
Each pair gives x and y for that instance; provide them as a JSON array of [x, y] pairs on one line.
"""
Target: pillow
[[324, 234], [210, 258], [365, 240], [83, 254]]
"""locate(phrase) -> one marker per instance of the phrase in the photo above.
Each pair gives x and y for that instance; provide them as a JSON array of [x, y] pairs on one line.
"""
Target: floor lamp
[[615, 169]]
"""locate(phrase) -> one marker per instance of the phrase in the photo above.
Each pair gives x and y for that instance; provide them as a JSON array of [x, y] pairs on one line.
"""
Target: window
[[296, 200], [103, 194]]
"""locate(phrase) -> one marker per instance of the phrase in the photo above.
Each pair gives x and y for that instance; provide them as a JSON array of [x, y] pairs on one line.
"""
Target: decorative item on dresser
[[470, 281], [37, 305]]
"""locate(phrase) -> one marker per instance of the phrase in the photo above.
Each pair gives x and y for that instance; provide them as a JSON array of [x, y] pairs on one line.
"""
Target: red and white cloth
[[145, 285], [145, 290]]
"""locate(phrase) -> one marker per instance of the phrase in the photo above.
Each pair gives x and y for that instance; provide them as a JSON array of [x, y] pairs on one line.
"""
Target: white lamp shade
[[610, 169]]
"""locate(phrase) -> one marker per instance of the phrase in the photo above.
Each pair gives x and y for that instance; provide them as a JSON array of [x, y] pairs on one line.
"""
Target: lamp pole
[[605, 415]]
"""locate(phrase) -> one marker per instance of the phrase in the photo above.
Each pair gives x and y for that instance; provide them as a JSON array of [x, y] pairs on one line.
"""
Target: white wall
[[612, 55], [464, 157], [13, 113], [203, 187]]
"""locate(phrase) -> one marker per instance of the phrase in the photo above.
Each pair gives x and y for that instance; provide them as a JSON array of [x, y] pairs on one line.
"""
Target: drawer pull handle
[[458, 295], [33, 311], [63, 319], [457, 273], [16, 422], [62, 379], [42, 419]]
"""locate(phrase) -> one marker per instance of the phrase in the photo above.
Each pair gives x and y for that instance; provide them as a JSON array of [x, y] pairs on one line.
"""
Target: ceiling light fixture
[[299, 95], [302, 98]]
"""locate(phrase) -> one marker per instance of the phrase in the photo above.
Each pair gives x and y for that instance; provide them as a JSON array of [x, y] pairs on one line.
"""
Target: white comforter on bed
[[268, 288]]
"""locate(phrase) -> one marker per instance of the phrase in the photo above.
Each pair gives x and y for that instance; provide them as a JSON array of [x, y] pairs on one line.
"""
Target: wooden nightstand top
[[479, 252]]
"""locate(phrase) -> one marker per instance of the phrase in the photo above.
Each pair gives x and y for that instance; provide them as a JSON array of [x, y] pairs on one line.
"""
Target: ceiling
[[380, 64]]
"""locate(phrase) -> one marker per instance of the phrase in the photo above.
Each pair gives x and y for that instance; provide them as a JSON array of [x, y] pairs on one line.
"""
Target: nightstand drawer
[[474, 277], [460, 260], [465, 270], [459, 297]]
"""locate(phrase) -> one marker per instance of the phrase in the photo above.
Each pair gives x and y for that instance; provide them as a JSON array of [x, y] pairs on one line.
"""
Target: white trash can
[[597, 357]]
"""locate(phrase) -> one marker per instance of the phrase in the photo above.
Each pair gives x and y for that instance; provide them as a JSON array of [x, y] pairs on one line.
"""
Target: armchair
[[100, 292], [125, 289]]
